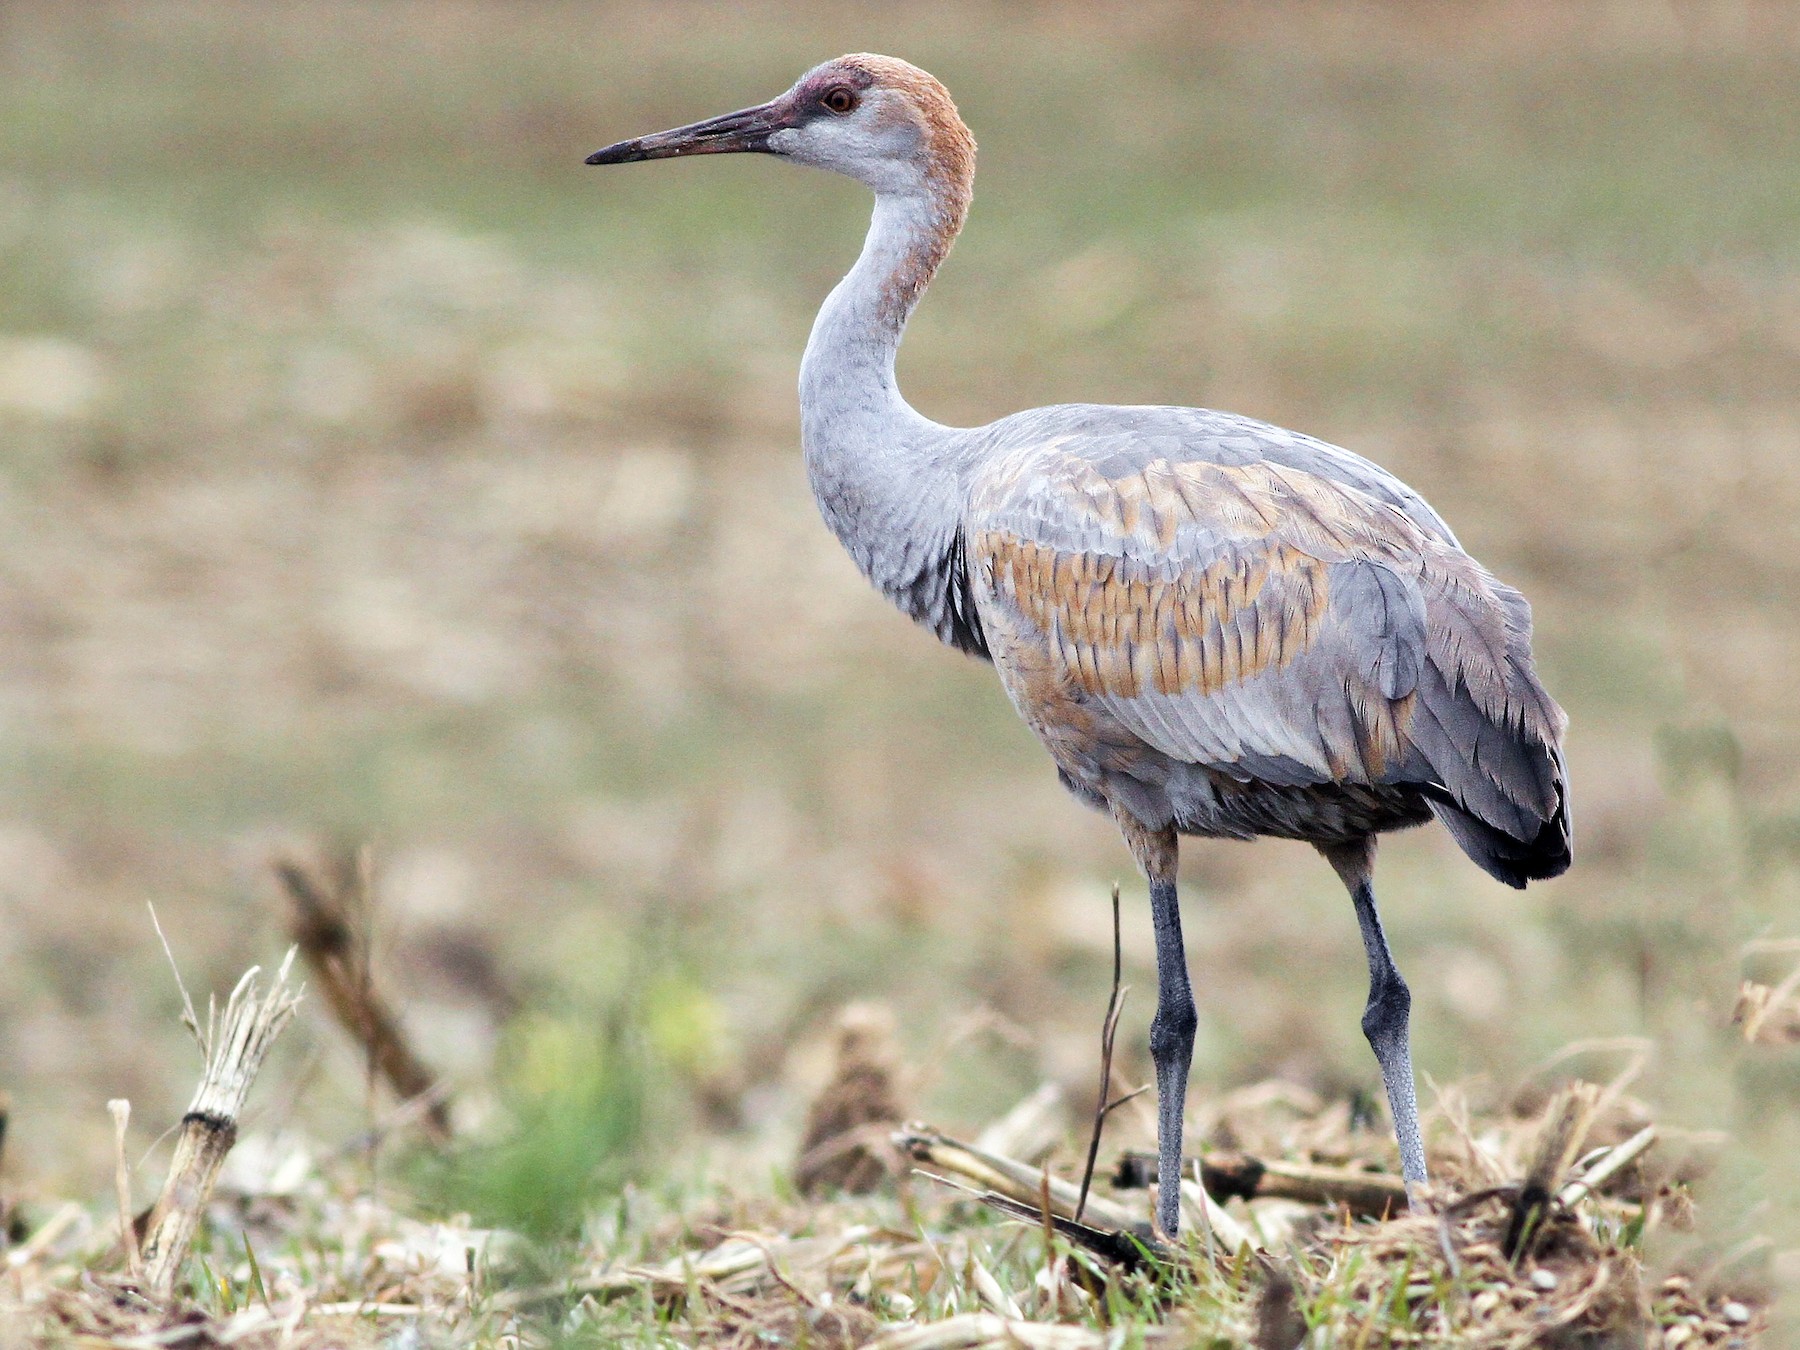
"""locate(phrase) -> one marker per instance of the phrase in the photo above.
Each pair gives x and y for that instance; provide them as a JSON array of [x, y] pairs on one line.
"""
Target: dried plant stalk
[[1104, 1102], [1363, 1193], [1604, 1168], [234, 1046], [1033, 1196], [1565, 1127], [1214, 1223], [1566, 1123], [1374, 1194], [128, 1244], [1008, 1177], [1768, 1016], [320, 923]]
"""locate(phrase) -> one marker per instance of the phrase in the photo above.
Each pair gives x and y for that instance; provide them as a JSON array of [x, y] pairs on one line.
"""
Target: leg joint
[[1154, 850], [1172, 1029], [1389, 1006]]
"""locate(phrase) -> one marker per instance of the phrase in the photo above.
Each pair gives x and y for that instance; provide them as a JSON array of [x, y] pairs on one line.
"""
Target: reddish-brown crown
[[949, 148]]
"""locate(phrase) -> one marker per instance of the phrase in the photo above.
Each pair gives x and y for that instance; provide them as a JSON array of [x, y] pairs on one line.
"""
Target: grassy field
[[375, 474]]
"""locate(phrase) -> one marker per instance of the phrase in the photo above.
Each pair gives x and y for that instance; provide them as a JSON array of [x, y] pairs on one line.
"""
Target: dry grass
[[301, 1254]]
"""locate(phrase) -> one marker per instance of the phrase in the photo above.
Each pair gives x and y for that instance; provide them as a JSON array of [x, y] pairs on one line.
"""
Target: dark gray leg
[[1172, 1029], [1385, 1017], [1384, 1022], [1171, 1048]]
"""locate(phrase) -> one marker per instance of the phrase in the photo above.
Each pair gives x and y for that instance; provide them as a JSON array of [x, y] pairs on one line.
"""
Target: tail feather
[[1493, 736], [1547, 853]]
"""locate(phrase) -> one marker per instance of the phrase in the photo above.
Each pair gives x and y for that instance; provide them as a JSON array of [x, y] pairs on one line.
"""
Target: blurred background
[[371, 472]]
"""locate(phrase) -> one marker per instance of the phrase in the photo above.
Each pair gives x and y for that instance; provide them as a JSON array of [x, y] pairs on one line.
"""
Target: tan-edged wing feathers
[[1267, 622]]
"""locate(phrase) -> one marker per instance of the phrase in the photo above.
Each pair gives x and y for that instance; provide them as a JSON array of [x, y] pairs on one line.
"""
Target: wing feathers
[[1384, 619], [1269, 623]]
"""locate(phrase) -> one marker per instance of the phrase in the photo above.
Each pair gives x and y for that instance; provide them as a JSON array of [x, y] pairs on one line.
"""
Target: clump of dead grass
[[297, 1252]]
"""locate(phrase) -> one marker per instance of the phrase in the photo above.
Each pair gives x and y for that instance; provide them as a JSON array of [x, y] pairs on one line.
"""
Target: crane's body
[[1215, 626]]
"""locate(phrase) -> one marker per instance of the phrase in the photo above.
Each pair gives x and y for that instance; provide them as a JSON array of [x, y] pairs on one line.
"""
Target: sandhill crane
[[1215, 626]]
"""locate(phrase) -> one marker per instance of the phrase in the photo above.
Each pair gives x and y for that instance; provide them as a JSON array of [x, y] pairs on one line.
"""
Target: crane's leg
[[1172, 1029], [1389, 1008]]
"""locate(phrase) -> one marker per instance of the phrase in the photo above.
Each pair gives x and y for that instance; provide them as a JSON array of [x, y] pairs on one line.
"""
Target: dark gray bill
[[734, 133]]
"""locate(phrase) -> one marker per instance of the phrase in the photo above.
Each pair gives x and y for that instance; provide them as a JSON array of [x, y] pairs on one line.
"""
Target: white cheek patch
[[878, 151]]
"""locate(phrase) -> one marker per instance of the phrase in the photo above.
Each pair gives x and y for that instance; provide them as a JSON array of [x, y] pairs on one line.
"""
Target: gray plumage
[[1407, 618], [1215, 626]]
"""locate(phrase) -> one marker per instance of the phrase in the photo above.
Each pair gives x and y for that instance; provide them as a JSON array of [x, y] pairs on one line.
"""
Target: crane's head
[[880, 120]]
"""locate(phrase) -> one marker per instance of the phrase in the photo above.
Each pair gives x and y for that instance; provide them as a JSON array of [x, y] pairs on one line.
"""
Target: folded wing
[[1276, 625]]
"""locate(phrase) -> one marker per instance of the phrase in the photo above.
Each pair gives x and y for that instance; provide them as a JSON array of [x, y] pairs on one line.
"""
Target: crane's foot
[[1417, 1197]]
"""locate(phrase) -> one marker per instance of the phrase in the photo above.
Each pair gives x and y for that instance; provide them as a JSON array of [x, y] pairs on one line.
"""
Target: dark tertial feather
[[932, 586], [963, 623]]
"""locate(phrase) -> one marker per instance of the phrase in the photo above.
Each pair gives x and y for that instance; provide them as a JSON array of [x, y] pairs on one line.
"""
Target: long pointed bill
[[734, 133]]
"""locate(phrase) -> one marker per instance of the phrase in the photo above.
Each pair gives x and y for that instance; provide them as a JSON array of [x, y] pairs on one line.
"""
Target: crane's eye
[[838, 100]]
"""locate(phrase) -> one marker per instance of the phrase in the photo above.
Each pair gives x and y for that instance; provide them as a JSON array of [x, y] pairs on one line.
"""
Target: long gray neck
[[890, 482]]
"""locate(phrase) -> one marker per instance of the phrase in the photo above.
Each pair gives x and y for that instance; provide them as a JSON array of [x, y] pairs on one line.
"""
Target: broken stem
[[321, 920], [237, 1044], [121, 1114], [1109, 1030]]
